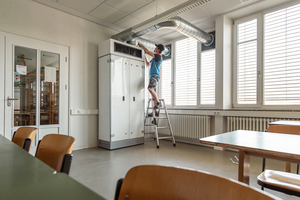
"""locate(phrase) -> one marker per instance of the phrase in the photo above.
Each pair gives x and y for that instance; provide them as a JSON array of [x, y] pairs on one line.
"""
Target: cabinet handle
[[123, 98], [133, 98]]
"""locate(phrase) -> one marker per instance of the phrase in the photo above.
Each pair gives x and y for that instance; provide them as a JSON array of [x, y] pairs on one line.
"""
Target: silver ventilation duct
[[181, 26], [164, 21], [178, 10], [149, 45]]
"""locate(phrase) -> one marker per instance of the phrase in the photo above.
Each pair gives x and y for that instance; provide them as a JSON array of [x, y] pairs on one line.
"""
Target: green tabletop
[[23, 176]]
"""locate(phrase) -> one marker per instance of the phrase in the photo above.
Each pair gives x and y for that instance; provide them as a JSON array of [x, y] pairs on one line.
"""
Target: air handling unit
[[121, 82]]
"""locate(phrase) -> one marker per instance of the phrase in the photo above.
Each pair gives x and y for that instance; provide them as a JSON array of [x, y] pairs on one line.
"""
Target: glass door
[[36, 86], [25, 68], [49, 88]]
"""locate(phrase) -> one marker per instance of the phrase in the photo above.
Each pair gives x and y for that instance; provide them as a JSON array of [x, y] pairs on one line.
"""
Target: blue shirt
[[155, 66]]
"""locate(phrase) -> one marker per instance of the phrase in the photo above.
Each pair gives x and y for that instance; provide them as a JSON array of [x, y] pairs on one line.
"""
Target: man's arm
[[146, 62], [146, 50]]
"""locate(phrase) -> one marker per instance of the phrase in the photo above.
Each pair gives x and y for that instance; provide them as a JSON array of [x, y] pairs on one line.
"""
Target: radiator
[[251, 123], [188, 126]]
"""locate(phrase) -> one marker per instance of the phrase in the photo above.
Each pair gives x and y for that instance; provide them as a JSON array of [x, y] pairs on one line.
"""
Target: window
[[166, 81], [207, 90], [186, 72], [247, 62], [282, 57], [274, 50]]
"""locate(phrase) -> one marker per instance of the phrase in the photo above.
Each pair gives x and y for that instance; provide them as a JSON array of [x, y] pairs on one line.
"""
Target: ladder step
[[149, 125], [162, 127], [161, 117], [150, 133], [164, 137]]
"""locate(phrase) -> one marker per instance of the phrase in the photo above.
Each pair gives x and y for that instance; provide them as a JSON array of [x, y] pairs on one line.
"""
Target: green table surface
[[23, 176]]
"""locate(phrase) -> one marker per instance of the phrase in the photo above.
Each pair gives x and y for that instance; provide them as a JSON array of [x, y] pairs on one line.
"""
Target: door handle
[[9, 101]]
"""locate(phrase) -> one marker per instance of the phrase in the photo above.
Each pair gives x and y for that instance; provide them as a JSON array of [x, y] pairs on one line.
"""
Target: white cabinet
[[121, 101]]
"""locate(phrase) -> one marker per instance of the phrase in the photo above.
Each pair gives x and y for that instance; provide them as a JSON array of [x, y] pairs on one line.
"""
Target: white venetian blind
[[208, 77], [166, 80], [186, 72], [247, 62], [282, 57]]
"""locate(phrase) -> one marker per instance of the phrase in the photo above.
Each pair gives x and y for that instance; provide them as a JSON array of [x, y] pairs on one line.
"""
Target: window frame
[[174, 67], [199, 79], [259, 69], [260, 64], [263, 13], [173, 79]]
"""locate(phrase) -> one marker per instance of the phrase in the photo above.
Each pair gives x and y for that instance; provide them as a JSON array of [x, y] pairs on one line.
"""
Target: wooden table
[[277, 146], [23, 176], [283, 122]]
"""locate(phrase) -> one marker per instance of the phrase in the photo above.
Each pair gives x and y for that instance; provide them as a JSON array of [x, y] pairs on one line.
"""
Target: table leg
[[288, 167], [244, 167]]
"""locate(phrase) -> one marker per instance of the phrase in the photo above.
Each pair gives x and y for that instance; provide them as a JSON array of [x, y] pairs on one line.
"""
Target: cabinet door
[[137, 90], [119, 98]]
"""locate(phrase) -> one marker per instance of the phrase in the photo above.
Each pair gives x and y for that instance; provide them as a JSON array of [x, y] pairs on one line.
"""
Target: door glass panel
[[49, 92], [25, 86]]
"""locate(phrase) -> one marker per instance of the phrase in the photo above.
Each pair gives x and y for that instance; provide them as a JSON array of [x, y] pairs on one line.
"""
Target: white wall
[[34, 20]]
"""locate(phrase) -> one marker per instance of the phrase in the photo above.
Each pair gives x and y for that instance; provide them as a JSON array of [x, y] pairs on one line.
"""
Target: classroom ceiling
[[123, 14]]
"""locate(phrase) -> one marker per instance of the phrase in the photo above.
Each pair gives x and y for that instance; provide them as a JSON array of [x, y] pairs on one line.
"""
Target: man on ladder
[[154, 73], [157, 103]]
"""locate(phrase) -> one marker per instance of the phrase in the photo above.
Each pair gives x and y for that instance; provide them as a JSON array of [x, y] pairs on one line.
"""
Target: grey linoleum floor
[[99, 169]]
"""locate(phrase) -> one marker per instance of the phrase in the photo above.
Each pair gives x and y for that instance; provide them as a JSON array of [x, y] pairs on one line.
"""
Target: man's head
[[159, 48]]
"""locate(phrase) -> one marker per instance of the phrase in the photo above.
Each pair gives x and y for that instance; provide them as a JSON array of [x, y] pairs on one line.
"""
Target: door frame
[[10, 41], [2, 73]]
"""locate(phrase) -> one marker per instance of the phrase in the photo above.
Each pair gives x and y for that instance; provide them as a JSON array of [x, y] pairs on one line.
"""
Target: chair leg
[[67, 163], [263, 164], [263, 169], [118, 188], [27, 144]]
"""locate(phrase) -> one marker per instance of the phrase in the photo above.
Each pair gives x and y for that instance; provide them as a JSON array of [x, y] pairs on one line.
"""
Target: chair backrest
[[284, 129], [23, 137], [53, 148], [161, 182]]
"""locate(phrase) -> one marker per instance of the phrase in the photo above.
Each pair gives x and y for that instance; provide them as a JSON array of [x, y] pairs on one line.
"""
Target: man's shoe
[[158, 105], [151, 114]]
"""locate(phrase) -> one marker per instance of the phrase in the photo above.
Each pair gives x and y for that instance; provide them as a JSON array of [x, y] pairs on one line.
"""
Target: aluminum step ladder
[[155, 120]]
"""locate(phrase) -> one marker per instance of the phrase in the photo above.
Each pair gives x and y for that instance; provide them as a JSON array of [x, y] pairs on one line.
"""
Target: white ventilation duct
[[167, 19]]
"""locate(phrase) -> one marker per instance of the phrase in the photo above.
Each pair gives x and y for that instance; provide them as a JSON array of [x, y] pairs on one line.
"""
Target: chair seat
[[280, 179]]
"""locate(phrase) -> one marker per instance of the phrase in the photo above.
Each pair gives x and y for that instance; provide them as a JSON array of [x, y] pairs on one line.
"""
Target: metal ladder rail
[[169, 123], [156, 127], [147, 111]]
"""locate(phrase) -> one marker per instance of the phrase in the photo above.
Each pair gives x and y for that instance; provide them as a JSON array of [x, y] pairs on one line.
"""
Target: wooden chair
[[283, 129], [285, 182], [277, 180], [55, 150], [24, 136], [150, 182]]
